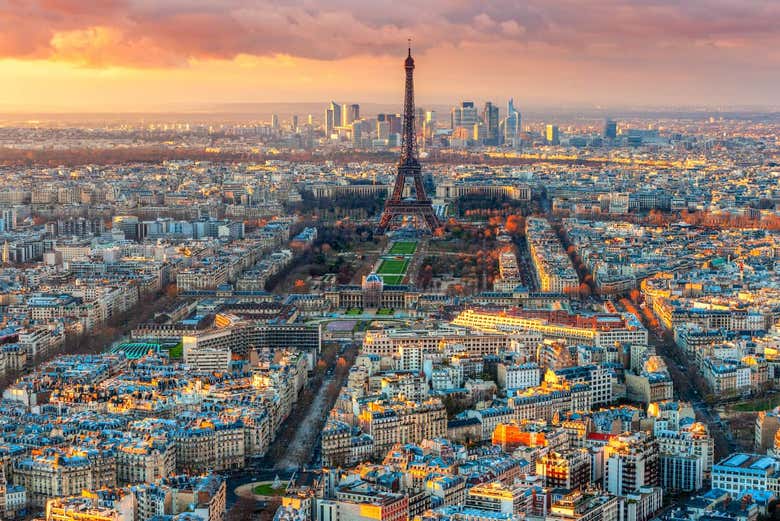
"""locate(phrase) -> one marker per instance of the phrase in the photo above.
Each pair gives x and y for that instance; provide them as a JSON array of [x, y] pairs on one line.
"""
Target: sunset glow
[[145, 55]]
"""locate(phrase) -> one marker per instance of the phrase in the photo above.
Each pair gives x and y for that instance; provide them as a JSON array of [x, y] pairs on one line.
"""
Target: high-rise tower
[[512, 123], [332, 118], [490, 119], [409, 167]]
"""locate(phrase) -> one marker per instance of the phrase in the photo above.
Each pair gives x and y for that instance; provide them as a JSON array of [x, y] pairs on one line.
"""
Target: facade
[[739, 472], [363, 504], [630, 462], [389, 342], [680, 472], [58, 473], [552, 267], [345, 446], [210, 445], [518, 376], [550, 399], [570, 469], [389, 423], [587, 505], [612, 329], [144, 462], [597, 377], [495, 497]]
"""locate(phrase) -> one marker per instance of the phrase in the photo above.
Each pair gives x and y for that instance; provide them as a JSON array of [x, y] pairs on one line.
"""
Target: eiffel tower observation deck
[[419, 207]]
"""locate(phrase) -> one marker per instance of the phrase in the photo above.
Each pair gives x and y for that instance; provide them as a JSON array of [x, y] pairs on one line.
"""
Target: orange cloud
[[660, 50], [153, 33]]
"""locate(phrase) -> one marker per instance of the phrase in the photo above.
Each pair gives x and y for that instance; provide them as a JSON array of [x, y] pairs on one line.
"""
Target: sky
[[168, 55]]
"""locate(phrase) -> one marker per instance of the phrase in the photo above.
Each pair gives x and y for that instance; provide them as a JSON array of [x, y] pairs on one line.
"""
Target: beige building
[[58, 473], [144, 461], [402, 422], [210, 445]]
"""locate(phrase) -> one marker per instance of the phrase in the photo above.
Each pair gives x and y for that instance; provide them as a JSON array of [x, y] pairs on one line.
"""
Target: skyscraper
[[479, 132], [357, 132], [353, 113], [295, 123], [490, 120], [429, 125], [388, 124], [552, 135], [464, 116], [395, 123], [349, 113], [382, 126], [512, 123], [610, 129], [332, 117], [275, 121], [419, 122]]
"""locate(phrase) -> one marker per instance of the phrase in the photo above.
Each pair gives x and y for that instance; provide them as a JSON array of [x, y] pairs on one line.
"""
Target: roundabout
[[261, 490]]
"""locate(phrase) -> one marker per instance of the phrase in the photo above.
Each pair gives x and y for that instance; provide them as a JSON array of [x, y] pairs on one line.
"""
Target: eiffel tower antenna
[[409, 167]]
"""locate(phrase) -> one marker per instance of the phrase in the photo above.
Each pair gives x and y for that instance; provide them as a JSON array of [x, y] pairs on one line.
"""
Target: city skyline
[[135, 56], [299, 260]]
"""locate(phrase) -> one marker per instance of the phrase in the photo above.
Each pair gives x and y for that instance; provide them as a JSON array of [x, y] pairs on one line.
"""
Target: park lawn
[[403, 248], [757, 404], [392, 280], [176, 352], [384, 311], [354, 311], [393, 267], [266, 490]]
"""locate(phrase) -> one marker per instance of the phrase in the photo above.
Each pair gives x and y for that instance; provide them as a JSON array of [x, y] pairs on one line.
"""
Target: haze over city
[[142, 55]]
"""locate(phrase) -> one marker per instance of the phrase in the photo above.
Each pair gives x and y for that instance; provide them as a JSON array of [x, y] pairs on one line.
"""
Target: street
[[685, 389]]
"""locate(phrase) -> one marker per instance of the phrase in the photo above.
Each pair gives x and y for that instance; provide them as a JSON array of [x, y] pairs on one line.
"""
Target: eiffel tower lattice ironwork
[[409, 167]]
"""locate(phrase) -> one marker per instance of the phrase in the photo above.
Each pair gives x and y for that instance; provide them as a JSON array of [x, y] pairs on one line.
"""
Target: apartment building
[[602, 330], [569, 469], [630, 462], [405, 422], [56, 473]]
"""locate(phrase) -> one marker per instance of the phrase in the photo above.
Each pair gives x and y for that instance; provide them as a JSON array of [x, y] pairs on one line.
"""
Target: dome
[[373, 277]]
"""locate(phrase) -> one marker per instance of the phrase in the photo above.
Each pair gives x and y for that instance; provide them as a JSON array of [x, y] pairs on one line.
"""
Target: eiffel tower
[[409, 167]]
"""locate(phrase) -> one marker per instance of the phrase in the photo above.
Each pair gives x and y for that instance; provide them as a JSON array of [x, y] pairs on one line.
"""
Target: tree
[[171, 291], [243, 509], [425, 276], [515, 224]]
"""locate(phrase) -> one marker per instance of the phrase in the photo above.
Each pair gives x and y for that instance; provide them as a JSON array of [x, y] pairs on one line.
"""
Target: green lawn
[[354, 311], [384, 311], [392, 271], [757, 404], [392, 280], [266, 490], [403, 248], [176, 352], [393, 267]]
